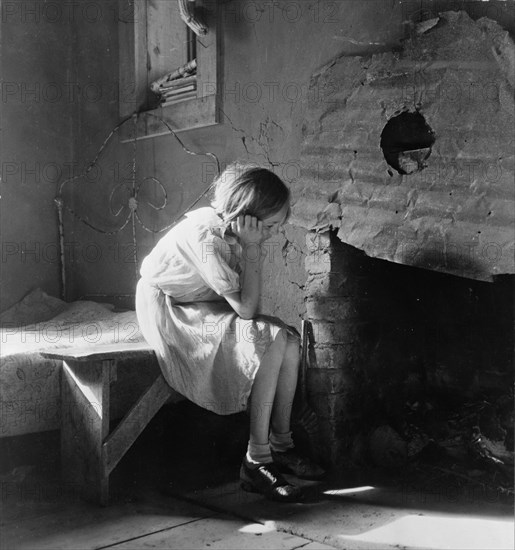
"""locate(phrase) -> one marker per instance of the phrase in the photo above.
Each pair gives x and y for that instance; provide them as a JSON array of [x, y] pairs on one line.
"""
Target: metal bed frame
[[132, 217]]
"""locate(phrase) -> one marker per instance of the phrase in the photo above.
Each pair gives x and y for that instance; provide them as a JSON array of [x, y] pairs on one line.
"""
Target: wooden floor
[[153, 522], [178, 488], [39, 511]]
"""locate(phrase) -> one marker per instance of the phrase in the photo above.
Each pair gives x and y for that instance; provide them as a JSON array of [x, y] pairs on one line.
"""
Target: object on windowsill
[[179, 82], [187, 70], [177, 99], [178, 86], [186, 11], [170, 92]]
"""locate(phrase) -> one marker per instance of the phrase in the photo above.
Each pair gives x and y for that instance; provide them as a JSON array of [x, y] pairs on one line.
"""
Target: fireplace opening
[[406, 142], [411, 368]]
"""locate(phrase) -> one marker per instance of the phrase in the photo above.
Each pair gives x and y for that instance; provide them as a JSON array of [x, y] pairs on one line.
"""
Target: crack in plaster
[[298, 285], [411, 203], [358, 42], [244, 137], [258, 141]]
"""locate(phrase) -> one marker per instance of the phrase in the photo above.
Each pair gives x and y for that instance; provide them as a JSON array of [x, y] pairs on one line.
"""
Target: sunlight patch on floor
[[258, 528], [449, 532], [348, 491]]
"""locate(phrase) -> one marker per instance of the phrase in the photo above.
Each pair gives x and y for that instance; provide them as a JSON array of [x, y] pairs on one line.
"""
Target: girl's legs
[[264, 389], [258, 473], [282, 447], [285, 389], [274, 389], [270, 407]]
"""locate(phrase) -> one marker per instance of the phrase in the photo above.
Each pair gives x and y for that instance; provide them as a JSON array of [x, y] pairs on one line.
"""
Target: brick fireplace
[[386, 335], [407, 196]]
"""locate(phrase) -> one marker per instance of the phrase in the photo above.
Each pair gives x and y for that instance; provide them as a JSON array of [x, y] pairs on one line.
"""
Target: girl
[[196, 303]]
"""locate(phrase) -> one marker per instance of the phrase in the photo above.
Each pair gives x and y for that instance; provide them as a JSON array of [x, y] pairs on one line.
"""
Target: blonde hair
[[248, 189]]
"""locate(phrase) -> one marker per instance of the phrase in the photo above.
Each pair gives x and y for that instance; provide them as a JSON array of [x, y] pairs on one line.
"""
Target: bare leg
[[285, 390], [266, 478], [264, 389], [300, 466]]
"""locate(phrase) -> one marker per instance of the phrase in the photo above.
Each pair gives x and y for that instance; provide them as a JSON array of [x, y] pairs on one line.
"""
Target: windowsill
[[135, 79], [193, 113]]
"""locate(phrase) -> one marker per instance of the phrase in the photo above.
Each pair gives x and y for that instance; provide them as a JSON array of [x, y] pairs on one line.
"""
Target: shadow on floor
[[184, 447], [191, 456]]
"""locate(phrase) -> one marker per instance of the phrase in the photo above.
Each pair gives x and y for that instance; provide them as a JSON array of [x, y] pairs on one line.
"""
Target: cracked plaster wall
[[269, 55], [270, 52], [268, 63], [455, 214]]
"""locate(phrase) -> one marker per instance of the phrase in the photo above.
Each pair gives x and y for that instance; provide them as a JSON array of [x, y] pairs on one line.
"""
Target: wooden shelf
[[186, 115]]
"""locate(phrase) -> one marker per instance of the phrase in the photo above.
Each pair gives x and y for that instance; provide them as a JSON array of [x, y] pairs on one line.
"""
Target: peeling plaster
[[461, 204]]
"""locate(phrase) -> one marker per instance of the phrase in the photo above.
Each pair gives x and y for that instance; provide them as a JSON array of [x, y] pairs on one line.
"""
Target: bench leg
[[84, 426], [134, 422]]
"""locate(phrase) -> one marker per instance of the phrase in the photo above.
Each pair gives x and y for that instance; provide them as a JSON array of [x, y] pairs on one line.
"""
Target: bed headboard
[[128, 217]]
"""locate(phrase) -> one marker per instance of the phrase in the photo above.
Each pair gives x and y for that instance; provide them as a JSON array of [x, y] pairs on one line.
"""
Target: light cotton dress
[[205, 350]]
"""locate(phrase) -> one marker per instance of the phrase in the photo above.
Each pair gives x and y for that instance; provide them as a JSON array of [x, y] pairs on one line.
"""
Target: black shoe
[[268, 481], [290, 462]]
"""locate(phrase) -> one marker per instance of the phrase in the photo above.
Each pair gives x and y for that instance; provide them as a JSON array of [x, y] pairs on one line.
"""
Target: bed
[[30, 391], [77, 366], [79, 369]]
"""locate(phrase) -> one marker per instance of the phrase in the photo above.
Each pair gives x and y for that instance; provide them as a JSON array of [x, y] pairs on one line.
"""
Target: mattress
[[29, 383]]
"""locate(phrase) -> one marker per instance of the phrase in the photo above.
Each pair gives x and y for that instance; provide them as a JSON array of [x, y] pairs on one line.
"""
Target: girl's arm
[[251, 233]]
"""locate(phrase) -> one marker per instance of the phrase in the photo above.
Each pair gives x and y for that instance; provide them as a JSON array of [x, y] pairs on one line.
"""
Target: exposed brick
[[331, 309], [325, 381], [335, 434], [328, 254], [335, 357], [318, 284], [330, 283], [330, 406], [324, 332], [397, 329], [318, 262], [318, 242], [333, 445]]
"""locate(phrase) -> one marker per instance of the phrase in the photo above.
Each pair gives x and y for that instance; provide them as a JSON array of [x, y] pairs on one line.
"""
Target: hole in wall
[[406, 141]]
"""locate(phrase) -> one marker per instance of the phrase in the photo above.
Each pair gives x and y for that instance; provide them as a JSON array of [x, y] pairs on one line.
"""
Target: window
[[154, 41]]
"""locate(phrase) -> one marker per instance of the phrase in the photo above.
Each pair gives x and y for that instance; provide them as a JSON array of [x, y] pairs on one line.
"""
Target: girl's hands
[[250, 230]]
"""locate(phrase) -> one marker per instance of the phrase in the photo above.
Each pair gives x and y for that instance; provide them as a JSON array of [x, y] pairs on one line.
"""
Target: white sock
[[258, 454], [281, 442]]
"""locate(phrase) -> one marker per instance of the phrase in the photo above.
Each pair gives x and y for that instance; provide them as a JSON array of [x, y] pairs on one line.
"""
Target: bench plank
[[118, 351]]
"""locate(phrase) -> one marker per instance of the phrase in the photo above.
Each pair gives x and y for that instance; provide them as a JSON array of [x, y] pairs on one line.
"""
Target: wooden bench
[[89, 450]]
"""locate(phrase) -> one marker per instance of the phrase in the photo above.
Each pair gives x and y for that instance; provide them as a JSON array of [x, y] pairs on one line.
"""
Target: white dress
[[206, 352]]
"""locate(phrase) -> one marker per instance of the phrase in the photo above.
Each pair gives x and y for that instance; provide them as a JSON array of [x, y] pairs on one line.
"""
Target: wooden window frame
[[197, 112]]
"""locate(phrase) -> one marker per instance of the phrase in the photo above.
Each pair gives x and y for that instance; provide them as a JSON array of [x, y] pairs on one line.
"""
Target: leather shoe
[[302, 467], [268, 481]]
